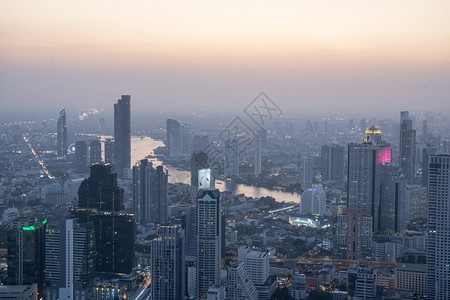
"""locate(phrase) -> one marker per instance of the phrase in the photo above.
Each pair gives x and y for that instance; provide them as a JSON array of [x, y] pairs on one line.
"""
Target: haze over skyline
[[323, 55]]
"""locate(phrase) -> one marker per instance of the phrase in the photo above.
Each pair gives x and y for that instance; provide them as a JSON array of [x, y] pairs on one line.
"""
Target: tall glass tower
[[438, 253], [209, 231], [62, 135], [122, 135], [407, 147]]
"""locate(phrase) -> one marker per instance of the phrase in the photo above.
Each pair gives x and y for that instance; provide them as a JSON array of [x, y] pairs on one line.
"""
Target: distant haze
[[371, 56]]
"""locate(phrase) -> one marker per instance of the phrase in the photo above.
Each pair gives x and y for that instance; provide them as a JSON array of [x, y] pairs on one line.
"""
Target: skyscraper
[[62, 143], [101, 201], [364, 162], [70, 265], [173, 137], [122, 135], [150, 192], [426, 152], [332, 163], [110, 151], [354, 233], [438, 253], [167, 264], [208, 240], [306, 173], [394, 205], [95, 152], [407, 149], [81, 164], [26, 254]]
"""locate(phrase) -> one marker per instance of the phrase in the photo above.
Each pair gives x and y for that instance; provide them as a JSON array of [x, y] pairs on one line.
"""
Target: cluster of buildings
[[371, 222]]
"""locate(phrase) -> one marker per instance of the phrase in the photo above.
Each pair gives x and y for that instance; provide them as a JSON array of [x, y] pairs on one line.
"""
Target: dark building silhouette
[[122, 135], [100, 191], [150, 192], [173, 137], [96, 152], [101, 201], [81, 164], [26, 254], [62, 143], [110, 151]]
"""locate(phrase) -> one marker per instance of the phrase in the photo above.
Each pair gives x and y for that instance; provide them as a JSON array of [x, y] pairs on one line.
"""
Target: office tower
[[233, 159], [173, 138], [365, 283], [257, 166], [354, 233], [418, 201], [198, 161], [217, 292], [81, 163], [394, 206], [333, 163], [407, 149], [101, 201], [438, 253], [364, 162], [239, 284], [150, 192], [426, 152], [256, 263], [100, 190], [167, 264], [70, 265], [191, 232], [122, 136], [96, 152], [299, 288], [208, 240], [314, 201], [110, 151], [186, 139], [425, 132], [306, 173], [62, 143], [26, 254]]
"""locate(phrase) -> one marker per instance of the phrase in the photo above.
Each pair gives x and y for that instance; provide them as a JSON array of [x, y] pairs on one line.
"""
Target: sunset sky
[[307, 55]]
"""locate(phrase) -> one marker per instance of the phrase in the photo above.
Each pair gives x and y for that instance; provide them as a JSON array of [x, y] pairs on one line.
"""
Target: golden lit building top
[[373, 130]]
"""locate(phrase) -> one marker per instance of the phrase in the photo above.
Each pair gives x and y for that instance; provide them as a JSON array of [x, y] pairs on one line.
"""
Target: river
[[143, 146]]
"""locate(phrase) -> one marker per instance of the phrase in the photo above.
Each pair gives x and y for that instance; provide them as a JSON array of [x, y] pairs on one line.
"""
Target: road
[[41, 162], [143, 292]]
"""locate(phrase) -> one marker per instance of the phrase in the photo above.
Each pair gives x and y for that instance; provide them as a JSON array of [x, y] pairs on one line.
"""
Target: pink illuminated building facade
[[365, 160]]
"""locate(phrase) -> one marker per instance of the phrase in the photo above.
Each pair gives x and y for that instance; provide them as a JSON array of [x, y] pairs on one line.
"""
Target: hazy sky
[[307, 55]]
